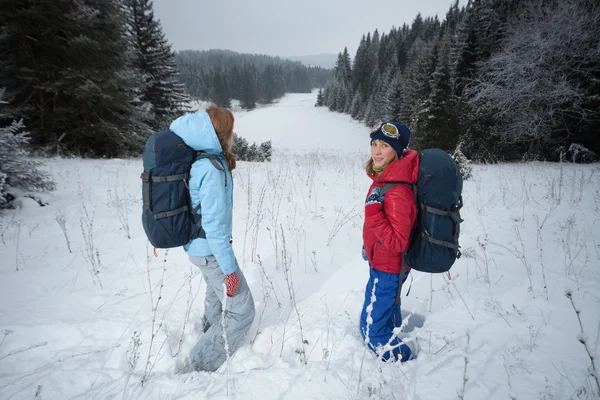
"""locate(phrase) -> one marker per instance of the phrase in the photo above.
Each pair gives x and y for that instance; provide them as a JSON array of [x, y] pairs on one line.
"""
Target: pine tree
[[268, 85], [219, 90], [394, 99], [327, 95], [342, 96], [361, 67], [17, 169], [265, 151], [319, 102], [152, 56], [343, 67], [373, 63], [437, 122], [235, 82], [348, 100], [249, 90], [65, 69], [356, 105], [241, 147]]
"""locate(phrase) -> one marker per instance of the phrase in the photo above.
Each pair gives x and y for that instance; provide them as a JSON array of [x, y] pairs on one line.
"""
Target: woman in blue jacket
[[212, 188]]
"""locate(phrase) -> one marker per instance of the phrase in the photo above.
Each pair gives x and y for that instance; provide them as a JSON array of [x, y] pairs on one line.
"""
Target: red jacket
[[386, 231]]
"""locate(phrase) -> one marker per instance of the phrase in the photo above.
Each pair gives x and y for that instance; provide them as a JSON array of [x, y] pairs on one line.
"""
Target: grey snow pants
[[209, 352]]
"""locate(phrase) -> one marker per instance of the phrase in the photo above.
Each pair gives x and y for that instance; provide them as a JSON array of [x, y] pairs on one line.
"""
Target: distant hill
[[324, 60]]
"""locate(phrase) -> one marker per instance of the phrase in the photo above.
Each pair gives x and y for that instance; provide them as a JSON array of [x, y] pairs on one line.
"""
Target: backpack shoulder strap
[[215, 161], [388, 185]]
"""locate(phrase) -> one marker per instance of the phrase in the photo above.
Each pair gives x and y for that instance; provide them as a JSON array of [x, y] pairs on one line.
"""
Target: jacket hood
[[197, 131], [406, 169]]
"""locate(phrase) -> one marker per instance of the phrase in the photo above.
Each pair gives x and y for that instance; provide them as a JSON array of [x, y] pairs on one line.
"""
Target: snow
[[79, 325]]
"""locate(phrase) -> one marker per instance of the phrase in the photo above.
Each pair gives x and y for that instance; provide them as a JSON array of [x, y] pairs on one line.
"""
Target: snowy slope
[[94, 321]]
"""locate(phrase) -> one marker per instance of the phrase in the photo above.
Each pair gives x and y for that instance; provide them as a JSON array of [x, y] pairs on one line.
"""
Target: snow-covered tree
[[17, 169], [436, 120], [152, 56], [356, 105], [343, 68], [394, 99], [319, 102], [462, 162], [252, 152], [542, 88], [265, 151]]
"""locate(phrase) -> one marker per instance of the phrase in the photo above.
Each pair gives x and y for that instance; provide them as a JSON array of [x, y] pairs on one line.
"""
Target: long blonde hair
[[223, 120]]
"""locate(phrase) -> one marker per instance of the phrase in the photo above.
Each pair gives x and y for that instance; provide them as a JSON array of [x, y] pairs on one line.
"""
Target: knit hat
[[398, 144]]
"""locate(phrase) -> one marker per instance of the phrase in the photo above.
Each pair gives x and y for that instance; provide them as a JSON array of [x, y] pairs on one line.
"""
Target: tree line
[[223, 75], [498, 79]]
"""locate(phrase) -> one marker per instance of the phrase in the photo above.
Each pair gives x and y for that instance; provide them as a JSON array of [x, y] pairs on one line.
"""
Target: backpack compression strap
[[455, 216], [147, 178]]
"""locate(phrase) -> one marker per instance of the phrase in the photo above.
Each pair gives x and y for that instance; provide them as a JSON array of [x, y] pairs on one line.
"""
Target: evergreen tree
[[373, 62], [402, 51], [394, 99], [17, 169], [235, 82], [265, 151], [152, 56], [268, 85], [249, 92], [416, 29], [341, 96], [437, 123], [241, 147], [319, 102], [357, 105], [331, 95], [66, 73], [219, 90], [327, 95], [361, 67], [343, 67]]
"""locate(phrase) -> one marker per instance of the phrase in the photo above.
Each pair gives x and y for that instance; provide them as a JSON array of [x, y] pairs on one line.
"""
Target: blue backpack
[[167, 216], [434, 238]]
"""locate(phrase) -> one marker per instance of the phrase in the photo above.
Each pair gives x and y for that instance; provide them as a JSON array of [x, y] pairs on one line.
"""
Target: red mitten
[[233, 283]]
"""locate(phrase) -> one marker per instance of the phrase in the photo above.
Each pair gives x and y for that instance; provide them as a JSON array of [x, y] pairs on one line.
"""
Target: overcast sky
[[285, 28]]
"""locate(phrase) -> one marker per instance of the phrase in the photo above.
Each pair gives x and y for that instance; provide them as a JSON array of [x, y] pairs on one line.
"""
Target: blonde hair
[[222, 120]]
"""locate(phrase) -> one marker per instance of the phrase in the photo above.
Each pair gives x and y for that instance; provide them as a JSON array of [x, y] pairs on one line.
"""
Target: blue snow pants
[[386, 315]]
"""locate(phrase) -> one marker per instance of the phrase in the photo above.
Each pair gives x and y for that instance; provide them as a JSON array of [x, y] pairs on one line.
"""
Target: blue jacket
[[211, 188]]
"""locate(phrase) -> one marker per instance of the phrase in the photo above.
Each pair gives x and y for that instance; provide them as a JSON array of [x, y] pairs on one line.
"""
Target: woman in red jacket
[[389, 219]]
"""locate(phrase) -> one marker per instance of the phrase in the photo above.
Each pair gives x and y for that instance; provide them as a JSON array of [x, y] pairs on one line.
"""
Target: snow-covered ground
[[88, 312]]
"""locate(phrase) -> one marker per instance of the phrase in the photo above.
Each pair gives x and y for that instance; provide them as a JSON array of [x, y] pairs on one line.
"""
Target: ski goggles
[[387, 129]]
